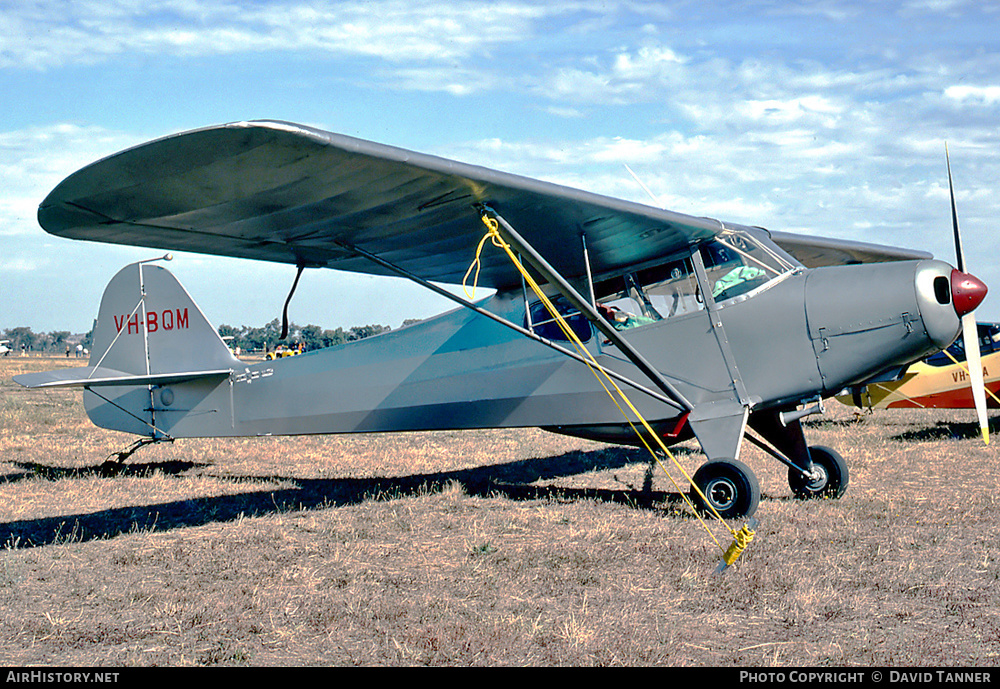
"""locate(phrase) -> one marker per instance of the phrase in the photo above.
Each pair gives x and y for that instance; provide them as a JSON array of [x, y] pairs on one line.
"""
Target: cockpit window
[[649, 295], [671, 289], [737, 264]]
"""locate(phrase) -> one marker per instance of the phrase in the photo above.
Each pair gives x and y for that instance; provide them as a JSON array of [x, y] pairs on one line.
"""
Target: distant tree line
[[55, 342], [248, 339], [268, 337]]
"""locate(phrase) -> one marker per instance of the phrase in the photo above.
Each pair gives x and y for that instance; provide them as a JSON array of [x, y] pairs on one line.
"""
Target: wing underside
[[282, 192]]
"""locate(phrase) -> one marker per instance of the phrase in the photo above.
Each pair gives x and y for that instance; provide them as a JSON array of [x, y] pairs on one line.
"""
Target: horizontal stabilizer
[[95, 376]]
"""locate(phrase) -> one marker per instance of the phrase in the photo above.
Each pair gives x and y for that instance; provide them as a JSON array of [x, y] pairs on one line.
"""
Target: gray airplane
[[713, 330]]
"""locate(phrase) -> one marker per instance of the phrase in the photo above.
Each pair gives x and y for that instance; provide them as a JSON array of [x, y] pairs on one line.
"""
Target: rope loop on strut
[[493, 234]]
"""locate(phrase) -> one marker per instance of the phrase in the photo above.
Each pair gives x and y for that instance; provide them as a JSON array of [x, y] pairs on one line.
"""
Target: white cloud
[[17, 264], [937, 6], [975, 95], [454, 80], [791, 110], [567, 112], [622, 150], [51, 33], [626, 76], [646, 63]]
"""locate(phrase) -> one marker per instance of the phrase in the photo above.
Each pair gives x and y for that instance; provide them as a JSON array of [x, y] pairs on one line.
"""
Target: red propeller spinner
[[967, 292]]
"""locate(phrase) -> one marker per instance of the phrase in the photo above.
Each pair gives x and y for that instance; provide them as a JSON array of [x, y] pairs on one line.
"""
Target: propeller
[[968, 292]]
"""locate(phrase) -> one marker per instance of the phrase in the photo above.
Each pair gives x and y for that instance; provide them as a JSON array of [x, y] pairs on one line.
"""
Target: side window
[[546, 326], [989, 338], [651, 294], [989, 342], [733, 271], [673, 289]]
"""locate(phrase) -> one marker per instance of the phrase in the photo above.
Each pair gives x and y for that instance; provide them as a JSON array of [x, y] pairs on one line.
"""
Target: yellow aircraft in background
[[940, 381]]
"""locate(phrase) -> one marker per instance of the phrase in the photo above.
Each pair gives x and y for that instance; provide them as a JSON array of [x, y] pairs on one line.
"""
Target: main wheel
[[730, 487], [831, 476]]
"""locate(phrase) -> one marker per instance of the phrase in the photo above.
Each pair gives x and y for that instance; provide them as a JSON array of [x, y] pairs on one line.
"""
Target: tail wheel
[[830, 476], [729, 486]]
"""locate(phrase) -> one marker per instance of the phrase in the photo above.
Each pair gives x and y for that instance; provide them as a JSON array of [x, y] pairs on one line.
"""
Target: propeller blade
[[972, 356], [959, 254], [970, 333]]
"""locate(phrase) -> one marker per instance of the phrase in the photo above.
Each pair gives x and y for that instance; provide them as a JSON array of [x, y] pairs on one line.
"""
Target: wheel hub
[[818, 478], [722, 493]]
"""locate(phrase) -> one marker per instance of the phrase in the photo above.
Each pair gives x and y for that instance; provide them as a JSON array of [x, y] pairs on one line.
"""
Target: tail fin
[[148, 325], [157, 366]]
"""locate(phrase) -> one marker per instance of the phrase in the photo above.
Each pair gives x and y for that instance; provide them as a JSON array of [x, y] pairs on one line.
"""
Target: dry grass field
[[483, 548]]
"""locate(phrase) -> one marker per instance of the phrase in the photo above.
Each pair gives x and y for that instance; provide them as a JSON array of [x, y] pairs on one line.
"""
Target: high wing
[[820, 251], [283, 192]]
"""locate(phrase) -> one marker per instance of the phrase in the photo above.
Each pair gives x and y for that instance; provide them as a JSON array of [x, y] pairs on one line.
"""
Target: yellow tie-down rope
[[741, 538]]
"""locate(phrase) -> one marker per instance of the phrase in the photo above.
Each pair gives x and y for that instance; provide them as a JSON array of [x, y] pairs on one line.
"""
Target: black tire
[[730, 486], [832, 480]]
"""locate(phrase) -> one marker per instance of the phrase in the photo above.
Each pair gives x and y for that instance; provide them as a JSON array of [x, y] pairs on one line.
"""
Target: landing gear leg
[[829, 475], [116, 460], [813, 472]]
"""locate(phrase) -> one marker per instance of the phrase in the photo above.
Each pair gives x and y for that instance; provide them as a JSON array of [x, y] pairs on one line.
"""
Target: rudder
[[148, 324], [149, 327]]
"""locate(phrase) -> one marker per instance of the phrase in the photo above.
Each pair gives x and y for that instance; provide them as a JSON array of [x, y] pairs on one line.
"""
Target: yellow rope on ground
[[741, 538]]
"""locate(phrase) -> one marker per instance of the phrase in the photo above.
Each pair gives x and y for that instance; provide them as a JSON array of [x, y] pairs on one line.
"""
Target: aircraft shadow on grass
[[512, 480], [946, 430]]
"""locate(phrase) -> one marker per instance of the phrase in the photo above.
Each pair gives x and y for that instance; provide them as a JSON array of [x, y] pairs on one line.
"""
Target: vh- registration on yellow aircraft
[[694, 327], [941, 381]]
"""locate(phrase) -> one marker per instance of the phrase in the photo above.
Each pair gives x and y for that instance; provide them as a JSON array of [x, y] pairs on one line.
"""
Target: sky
[[824, 118]]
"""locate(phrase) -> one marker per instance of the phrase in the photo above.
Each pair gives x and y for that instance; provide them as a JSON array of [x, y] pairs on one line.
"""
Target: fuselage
[[798, 334]]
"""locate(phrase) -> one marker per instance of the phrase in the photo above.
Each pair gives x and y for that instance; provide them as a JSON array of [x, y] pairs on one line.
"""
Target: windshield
[[736, 263]]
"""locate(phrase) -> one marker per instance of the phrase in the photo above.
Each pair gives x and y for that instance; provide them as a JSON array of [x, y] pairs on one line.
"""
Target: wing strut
[[579, 302], [288, 299], [402, 272]]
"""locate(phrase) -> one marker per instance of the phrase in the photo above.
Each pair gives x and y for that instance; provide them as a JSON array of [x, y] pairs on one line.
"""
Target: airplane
[[940, 381], [717, 331]]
